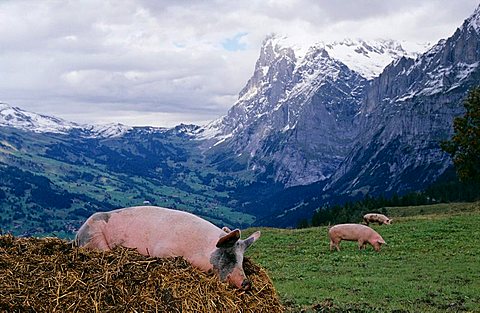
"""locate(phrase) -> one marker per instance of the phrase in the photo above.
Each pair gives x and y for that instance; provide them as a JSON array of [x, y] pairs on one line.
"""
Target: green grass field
[[431, 263]]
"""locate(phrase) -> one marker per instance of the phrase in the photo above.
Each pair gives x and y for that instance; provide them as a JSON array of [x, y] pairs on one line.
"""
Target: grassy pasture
[[431, 263]]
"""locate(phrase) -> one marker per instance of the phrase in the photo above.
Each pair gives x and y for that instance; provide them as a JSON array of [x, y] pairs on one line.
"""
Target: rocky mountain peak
[[286, 68], [272, 52], [473, 22]]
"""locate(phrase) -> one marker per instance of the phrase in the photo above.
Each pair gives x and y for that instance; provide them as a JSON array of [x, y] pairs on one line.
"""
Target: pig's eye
[[224, 261]]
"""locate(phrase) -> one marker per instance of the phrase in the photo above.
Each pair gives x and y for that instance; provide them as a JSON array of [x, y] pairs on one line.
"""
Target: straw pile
[[49, 275]]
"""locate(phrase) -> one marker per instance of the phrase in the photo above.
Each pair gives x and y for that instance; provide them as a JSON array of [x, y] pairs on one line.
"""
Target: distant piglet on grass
[[376, 218], [354, 232]]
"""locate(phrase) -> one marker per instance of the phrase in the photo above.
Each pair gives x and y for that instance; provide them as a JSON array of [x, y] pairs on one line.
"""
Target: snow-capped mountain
[[366, 58], [106, 130], [302, 101], [18, 118], [39, 123], [321, 113], [405, 114], [369, 58]]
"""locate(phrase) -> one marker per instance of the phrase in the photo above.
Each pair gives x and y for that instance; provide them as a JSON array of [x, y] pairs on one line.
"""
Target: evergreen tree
[[303, 223], [464, 146]]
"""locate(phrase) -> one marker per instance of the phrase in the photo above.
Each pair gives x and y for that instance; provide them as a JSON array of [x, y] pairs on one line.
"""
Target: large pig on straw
[[162, 232], [354, 232], [376, 218]]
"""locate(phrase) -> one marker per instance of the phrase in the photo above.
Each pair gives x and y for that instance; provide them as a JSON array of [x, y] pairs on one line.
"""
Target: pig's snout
[[239, 280], [246, 284]]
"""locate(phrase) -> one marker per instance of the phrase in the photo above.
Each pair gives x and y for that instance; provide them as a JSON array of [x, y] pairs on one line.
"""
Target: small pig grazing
[[161, 232], [354, 232], [376, 218]]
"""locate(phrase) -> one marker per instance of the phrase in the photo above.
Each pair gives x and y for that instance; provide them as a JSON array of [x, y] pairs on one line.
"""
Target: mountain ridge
[[288, 91], [429, 90], [11, 116]]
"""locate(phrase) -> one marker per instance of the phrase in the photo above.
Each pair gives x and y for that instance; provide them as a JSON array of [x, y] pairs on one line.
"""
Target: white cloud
[[161, 63]]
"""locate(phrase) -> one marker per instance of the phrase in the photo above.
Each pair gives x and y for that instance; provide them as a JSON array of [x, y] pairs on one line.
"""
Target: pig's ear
[[253, 237], [226, 229], [229, 239]]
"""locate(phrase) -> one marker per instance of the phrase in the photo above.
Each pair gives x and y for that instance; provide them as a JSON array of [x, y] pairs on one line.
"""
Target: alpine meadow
[[429, 264]]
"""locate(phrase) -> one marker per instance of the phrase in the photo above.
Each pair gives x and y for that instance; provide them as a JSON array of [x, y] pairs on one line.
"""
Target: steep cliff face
[[294, 120], [405, 114], [311, 128]]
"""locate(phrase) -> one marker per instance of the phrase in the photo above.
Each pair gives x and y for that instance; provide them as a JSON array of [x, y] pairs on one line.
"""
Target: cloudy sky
[[161, 63]]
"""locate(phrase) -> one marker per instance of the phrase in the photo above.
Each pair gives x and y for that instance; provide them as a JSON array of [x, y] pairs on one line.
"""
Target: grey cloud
[[165, 59]]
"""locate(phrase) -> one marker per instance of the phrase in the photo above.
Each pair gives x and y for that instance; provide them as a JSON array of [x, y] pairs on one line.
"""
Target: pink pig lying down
[[354, 232], [161, 232]]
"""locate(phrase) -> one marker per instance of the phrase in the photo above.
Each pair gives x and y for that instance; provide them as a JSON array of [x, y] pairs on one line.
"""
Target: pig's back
[[164, 232], [349, 231]]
